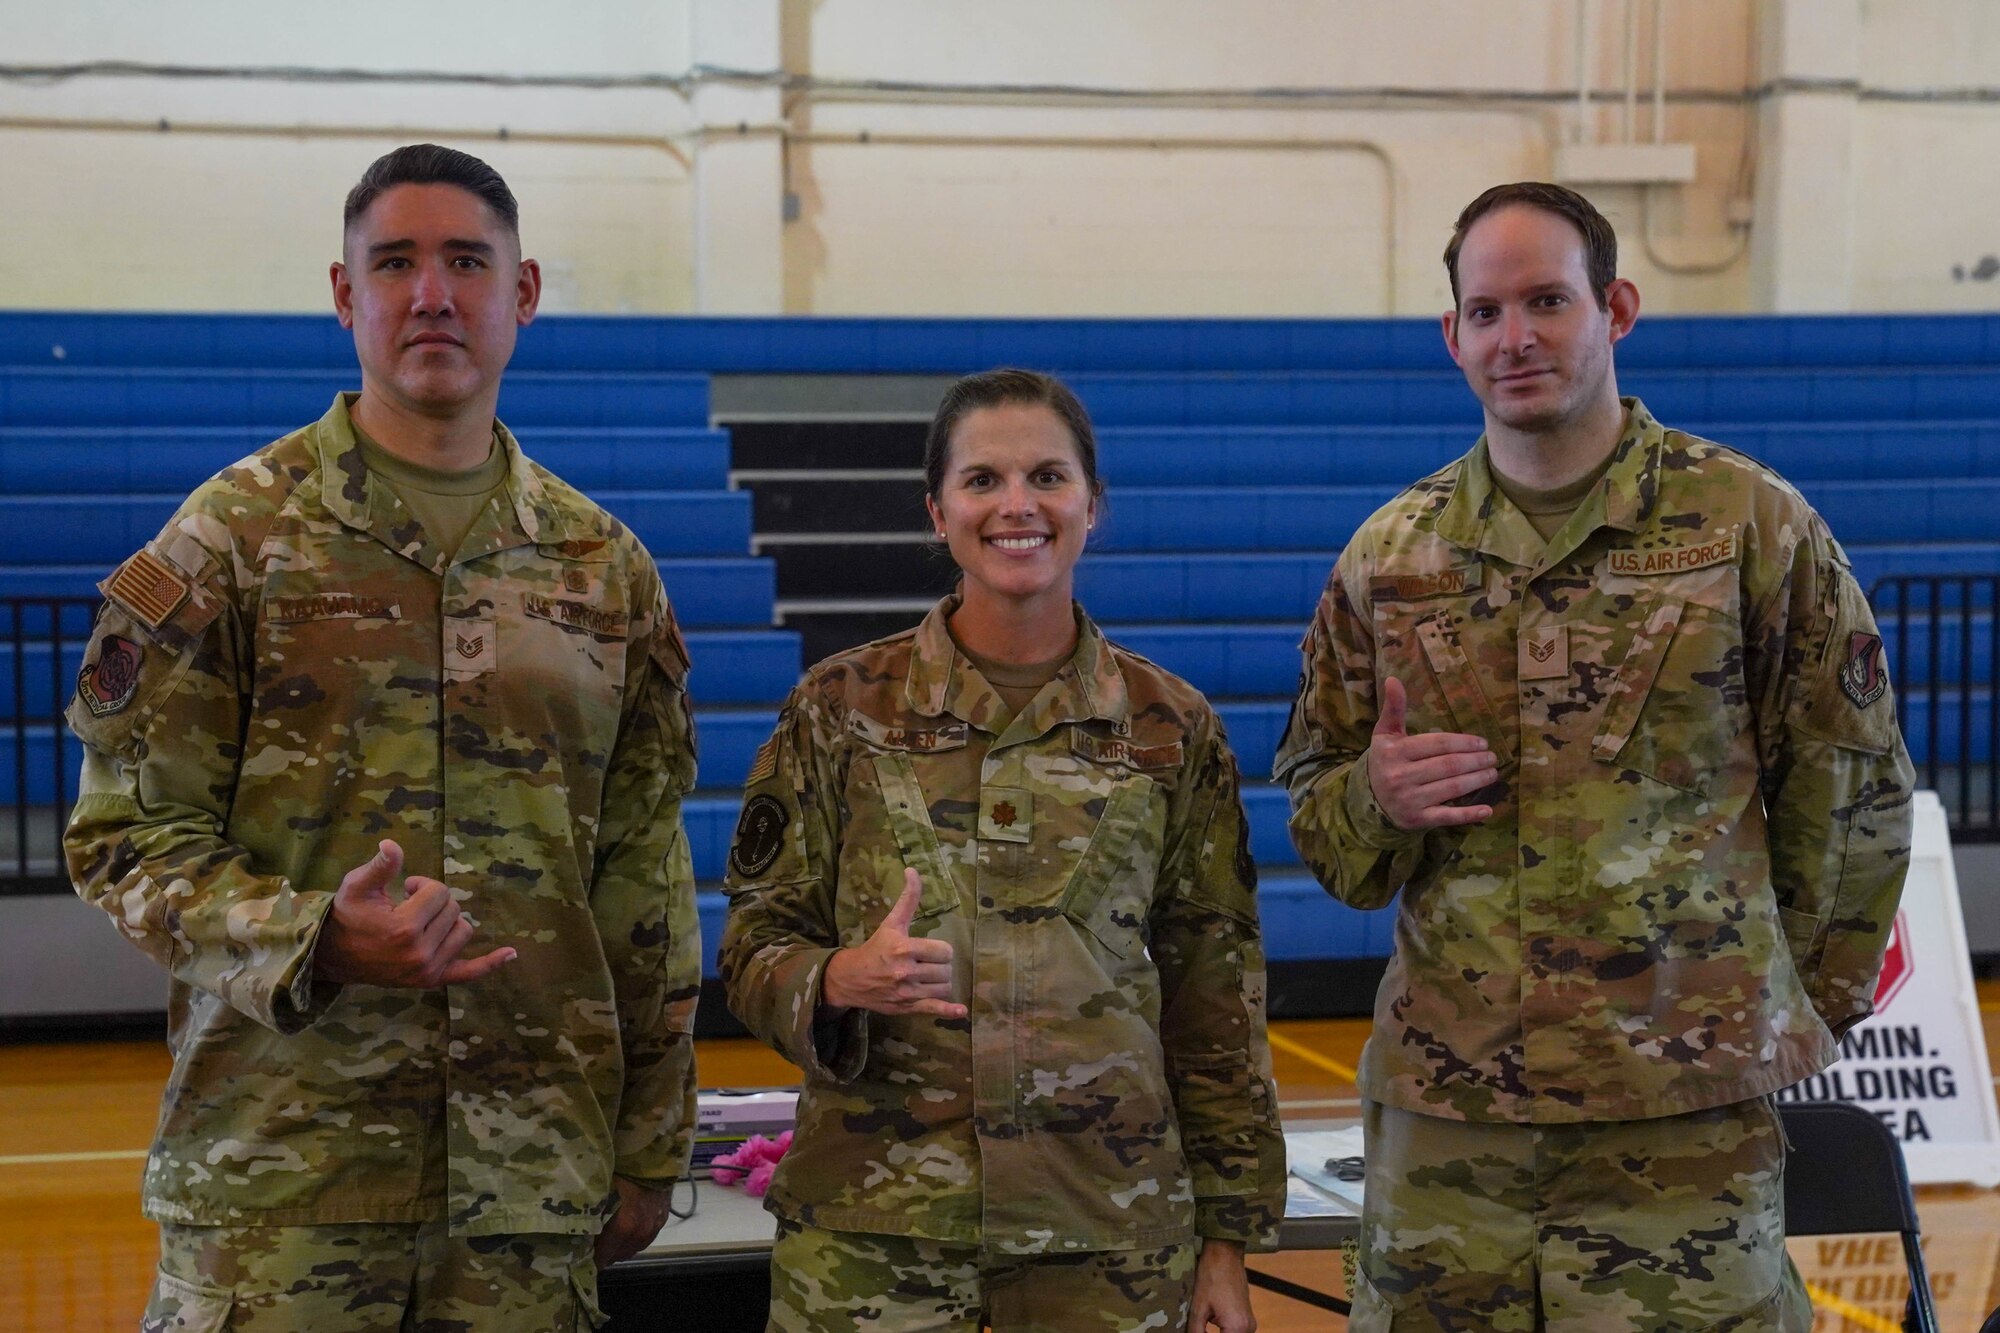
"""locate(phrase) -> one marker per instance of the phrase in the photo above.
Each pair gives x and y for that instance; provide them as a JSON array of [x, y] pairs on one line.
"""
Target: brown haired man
[[389, 643], [1604, 701]]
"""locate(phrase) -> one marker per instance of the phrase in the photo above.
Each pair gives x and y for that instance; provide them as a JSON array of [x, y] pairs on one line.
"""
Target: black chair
[[1844, 1174]]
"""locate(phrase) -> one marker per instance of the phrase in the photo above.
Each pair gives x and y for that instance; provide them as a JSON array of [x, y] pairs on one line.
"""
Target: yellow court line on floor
[[1312, 1057], [1854, 1314], [56, 1158]]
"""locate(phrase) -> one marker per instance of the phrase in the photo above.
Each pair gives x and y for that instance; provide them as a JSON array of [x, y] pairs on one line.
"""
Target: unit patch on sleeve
[[148, 587], [760, 834], [107, 685], [1863, 677]]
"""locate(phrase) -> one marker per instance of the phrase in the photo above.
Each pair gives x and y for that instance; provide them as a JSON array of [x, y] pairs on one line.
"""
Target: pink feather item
[[752, 1164]]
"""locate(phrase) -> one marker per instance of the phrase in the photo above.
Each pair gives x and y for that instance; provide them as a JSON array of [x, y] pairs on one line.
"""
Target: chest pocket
[[1109, 891], [576, 640], [894, 754], [1464, 699], [1416, 619], [1677, 703]]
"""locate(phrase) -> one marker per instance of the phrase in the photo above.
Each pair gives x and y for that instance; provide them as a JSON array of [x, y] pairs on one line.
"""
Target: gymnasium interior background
[[771, 229]]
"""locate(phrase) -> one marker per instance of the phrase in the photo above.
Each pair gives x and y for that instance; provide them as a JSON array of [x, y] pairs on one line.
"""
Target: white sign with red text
[[1919, 1061]]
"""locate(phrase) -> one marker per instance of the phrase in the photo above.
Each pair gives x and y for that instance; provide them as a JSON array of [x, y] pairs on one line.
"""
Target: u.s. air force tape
[[760, 833]]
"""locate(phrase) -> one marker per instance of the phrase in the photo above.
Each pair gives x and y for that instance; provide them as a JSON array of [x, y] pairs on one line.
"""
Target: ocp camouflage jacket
[[290, 673], [1111, 1087], [1702, 817]]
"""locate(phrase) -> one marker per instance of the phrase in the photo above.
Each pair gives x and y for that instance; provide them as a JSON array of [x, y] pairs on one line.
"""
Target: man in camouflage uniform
[[400, 1103], [1098, 1095], [1605, 702]]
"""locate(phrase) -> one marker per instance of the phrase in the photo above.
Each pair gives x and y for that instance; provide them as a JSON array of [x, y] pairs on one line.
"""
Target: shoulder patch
[[760, 834], [106, 685], [148, 587], [1863, 676]]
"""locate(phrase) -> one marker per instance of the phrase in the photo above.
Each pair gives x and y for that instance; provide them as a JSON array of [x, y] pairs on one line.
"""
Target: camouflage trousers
[[370, 1277], [1675, 1224], [847, 1281]]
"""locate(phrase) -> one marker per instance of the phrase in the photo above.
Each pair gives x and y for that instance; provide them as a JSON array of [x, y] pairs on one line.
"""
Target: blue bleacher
[[888, 346], [1436, 398], [67, 397], [1241, 455], [113, 460], [106, 529], [723, 590], [1394, 456]]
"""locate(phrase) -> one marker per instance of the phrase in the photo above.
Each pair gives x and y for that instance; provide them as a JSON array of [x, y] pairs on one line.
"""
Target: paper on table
[[1306, 1200], [1310, 1150]]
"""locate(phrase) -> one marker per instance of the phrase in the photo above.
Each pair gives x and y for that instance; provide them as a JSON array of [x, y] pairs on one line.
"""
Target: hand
[[894, 972], [1221, 1290], [371, 940], [641, 1212], [1414, 777]]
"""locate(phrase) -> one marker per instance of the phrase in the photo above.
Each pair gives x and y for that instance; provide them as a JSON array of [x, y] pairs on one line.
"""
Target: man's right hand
[[1414, 778], [372, 940], [894, 972]]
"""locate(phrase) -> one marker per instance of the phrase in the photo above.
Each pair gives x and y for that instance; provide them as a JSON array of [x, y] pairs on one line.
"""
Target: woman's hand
[[1221, 1290], [894, 972]]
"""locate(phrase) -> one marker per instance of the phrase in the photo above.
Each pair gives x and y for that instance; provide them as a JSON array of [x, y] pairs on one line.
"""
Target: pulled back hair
[[1600, 243], [432, 164], [992, 388]]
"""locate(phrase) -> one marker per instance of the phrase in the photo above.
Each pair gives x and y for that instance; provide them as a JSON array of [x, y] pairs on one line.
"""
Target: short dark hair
[[432, 164], [992, 388], [1600, 243]]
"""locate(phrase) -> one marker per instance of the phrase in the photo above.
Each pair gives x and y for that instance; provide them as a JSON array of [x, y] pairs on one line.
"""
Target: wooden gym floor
[[76, 1257]]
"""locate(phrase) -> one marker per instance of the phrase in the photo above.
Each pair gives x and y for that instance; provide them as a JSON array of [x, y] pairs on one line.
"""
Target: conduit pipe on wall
[[1150, 142], [1585, 131], [669, 144], [1659, 71], [1631, 117], [400, 133]]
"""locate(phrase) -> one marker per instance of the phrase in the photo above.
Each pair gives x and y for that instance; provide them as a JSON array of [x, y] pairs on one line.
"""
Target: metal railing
[[43, 640], [1943, 632]]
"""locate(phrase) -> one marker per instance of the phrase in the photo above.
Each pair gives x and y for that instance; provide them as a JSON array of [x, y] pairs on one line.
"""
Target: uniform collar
[[1477, 515], [362, 501], [941, 680]]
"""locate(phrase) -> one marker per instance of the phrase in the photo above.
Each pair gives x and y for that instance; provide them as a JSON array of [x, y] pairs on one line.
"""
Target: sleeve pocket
[[1853, 704], [1218, 1137], [129, 671], [180, 1306]]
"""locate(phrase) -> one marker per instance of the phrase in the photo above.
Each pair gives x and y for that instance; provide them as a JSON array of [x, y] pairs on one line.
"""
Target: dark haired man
[[389, 643], [1604, 701]]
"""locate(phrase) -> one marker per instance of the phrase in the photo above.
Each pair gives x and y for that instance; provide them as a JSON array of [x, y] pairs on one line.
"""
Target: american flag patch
[[148, 587], [764, 765]]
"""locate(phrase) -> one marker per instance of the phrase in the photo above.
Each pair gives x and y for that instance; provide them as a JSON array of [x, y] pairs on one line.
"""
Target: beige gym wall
[[1153, 157]]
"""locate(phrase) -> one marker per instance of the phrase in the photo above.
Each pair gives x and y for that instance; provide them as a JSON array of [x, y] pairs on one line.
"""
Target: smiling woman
[[992, 893], [1010, 467]]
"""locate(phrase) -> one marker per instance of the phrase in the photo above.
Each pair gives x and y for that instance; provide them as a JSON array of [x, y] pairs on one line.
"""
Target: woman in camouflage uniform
[[992, 892]]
